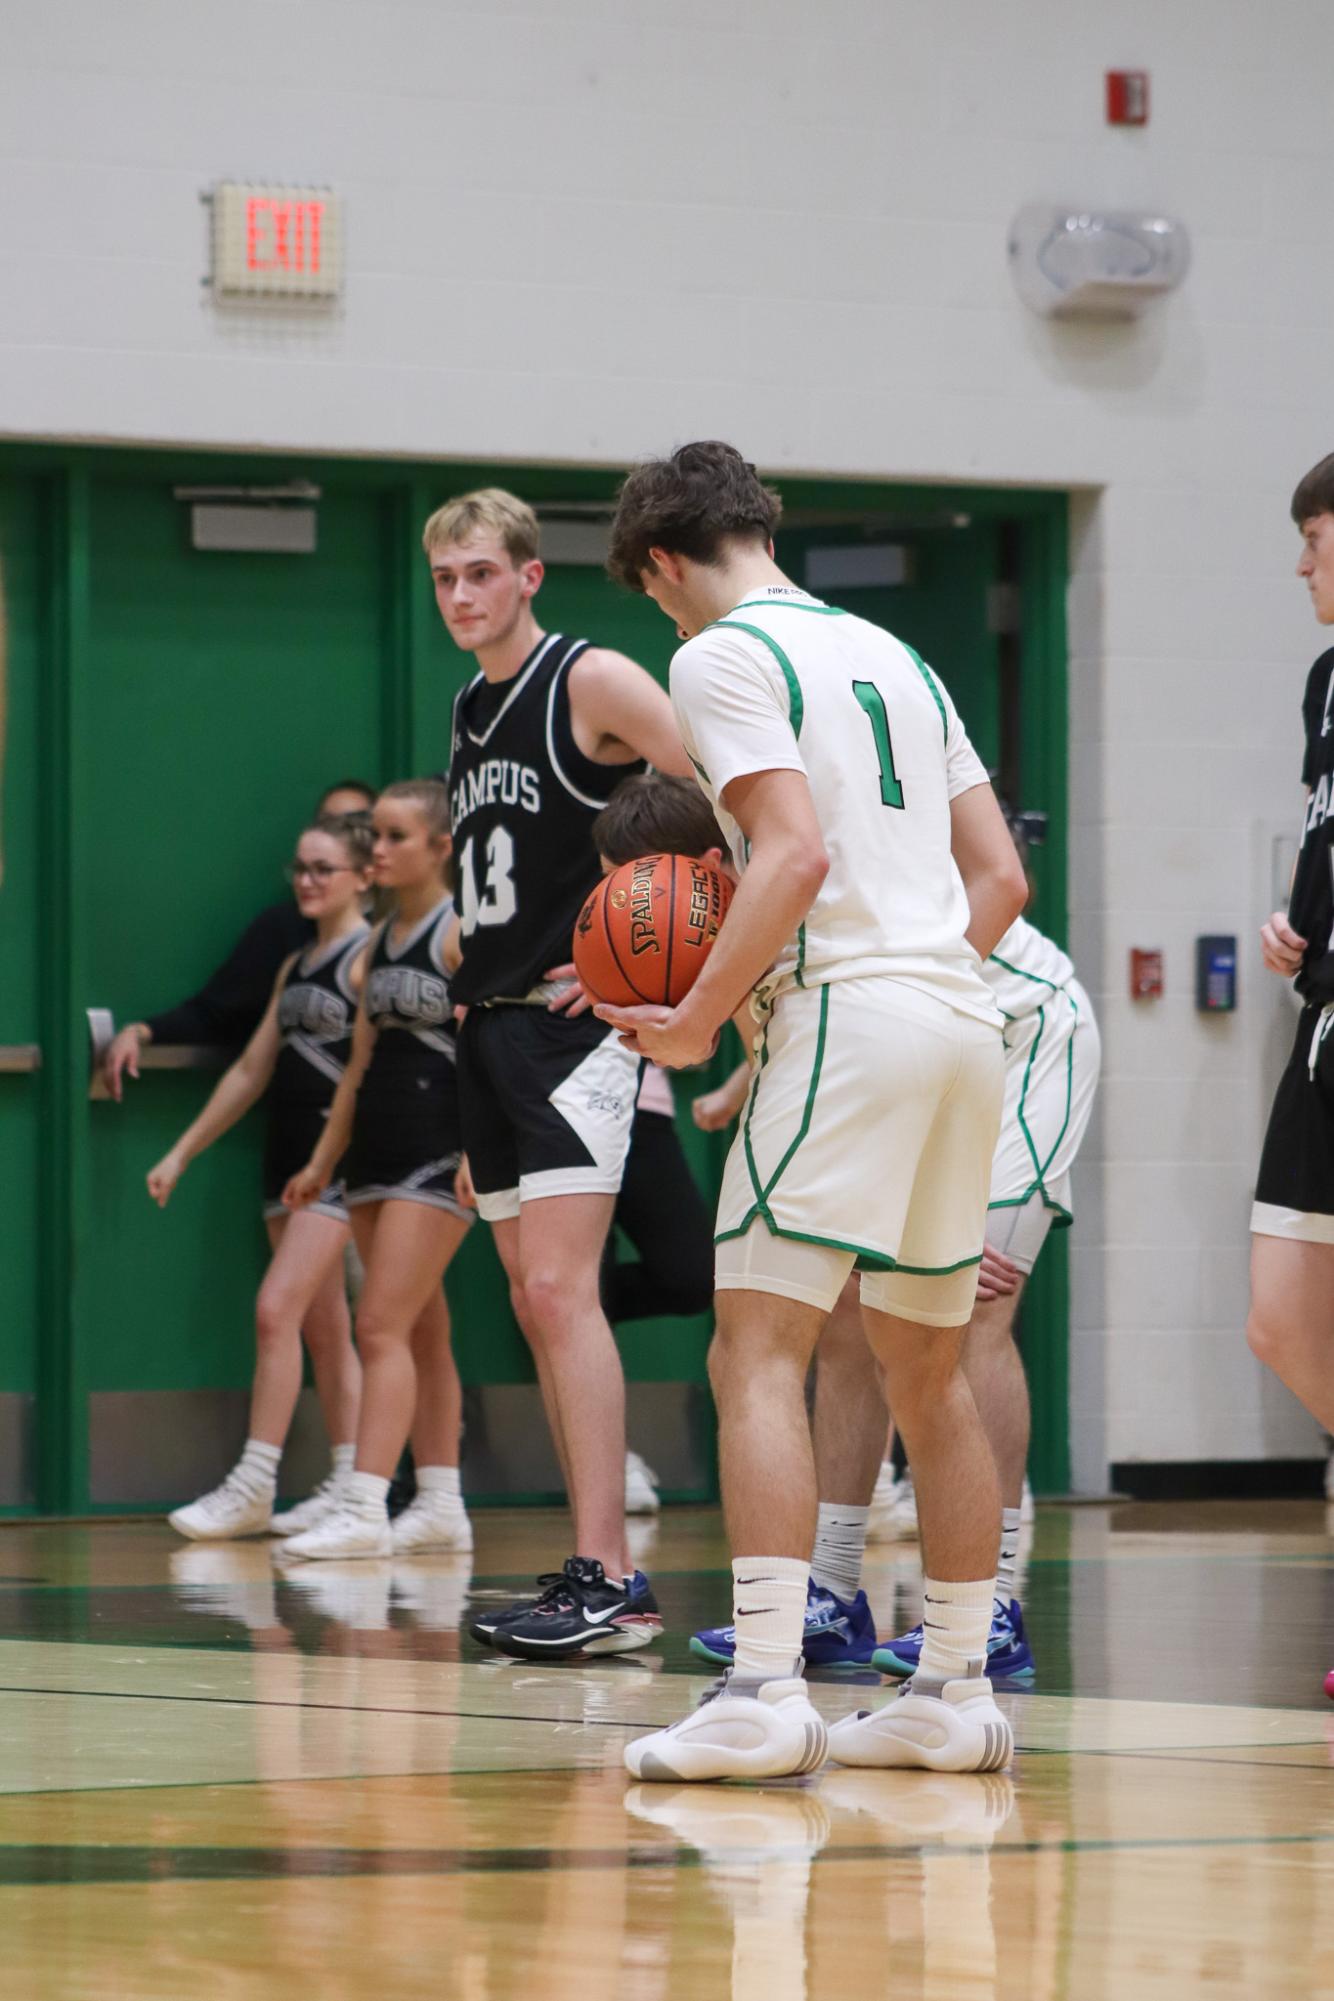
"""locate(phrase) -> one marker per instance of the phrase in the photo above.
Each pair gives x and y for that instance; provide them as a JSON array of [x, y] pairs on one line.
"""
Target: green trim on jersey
[[700, 772], [995, 959], [930, 680], [760, 1206], [800, 974], [1038, 1186], [796, 707], [786, 604], [867, 1261]]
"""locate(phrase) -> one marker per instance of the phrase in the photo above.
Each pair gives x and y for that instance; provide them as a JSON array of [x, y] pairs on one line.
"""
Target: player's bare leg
[[559, 1248], [995, 1372], [1291, 1323], [958, 1495], [758, 1365], [848, 1420], [506, 1237]]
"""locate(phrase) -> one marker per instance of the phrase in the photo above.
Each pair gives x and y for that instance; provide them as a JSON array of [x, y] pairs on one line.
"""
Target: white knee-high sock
[[768, 1608], [840, 1544], [956, 1621]]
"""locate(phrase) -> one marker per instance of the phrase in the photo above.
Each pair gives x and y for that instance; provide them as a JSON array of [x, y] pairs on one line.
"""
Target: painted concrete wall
[[581, 231]]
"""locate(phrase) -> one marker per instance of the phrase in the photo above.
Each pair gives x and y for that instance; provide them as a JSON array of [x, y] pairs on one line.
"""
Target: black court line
[[32, 1867], [1184, 1753]]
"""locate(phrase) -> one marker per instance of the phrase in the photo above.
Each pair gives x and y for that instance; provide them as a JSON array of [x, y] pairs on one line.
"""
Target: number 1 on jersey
[[871, 699]]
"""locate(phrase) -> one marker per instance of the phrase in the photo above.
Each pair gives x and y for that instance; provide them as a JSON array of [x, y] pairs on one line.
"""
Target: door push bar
[[19, 1058], [152, 1055]]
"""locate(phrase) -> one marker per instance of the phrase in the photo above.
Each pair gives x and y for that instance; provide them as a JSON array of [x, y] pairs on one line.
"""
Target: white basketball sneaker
[[641, 1486], [741, 1730], [959, 1730], [233, 1509], [306, 1513], [1027, 1510], [432, 1521], [342, 1531]]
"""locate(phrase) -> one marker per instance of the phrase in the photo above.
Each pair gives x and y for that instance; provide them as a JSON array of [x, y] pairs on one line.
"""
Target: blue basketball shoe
[[839, 1632], [1009, 1656]]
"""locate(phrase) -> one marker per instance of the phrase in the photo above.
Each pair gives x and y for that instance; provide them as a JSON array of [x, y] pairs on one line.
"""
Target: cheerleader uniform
[[406, 1144], [315, 1013]]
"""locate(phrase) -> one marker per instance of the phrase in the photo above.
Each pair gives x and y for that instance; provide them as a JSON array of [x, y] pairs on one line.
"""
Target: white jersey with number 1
[[787, 683]]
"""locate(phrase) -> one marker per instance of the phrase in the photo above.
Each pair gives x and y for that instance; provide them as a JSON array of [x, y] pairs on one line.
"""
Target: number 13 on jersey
[[497, 902]]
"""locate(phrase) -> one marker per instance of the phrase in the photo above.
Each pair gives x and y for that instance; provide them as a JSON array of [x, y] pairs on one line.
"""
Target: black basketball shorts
[[547, 1105], [1294, 1192]]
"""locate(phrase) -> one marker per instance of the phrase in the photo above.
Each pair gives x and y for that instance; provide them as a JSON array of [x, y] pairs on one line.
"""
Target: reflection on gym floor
[[211, 1759]]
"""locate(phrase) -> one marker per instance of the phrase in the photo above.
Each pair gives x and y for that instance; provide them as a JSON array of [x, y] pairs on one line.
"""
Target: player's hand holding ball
[[640, 943]]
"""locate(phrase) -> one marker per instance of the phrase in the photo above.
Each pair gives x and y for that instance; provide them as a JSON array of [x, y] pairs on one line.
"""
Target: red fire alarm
[[1127, 97], [1146, 974]]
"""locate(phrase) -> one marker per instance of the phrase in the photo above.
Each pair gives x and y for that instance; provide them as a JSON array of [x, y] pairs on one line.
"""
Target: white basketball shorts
[[866, 1141], [1052, 1059]]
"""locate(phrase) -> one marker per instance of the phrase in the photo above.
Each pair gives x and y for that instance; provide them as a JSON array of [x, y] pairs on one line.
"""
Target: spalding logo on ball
[[646, 930]]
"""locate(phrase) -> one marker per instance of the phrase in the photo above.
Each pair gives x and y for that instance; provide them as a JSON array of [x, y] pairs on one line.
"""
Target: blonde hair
[[489, 511]]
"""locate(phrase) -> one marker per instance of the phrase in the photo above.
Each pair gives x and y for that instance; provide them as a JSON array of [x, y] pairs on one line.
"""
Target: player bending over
[[842, 777]]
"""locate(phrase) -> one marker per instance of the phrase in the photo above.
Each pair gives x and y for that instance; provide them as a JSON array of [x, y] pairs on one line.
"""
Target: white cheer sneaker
[[641, 1486], [233, 1509], [342, 1531], [750, 1730], [305, 1514], [959, 1730], [432, 1521]]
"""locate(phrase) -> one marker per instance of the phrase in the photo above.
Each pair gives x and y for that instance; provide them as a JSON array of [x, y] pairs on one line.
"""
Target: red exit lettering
[[283, 235]]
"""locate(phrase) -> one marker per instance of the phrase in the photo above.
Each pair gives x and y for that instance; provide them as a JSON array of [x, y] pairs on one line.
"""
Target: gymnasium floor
[[216, 1782]]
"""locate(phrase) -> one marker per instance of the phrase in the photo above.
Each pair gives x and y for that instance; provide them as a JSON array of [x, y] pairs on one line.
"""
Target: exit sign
[[276, 242]]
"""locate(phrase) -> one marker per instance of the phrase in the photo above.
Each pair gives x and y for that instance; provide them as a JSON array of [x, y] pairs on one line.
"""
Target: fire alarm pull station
[[1146, 974], [1216, 975]]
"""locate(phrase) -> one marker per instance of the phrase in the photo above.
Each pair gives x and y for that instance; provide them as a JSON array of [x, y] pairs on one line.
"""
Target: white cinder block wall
[[580, 230]]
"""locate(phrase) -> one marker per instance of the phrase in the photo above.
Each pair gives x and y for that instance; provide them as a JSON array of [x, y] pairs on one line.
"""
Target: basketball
[[646, 930]]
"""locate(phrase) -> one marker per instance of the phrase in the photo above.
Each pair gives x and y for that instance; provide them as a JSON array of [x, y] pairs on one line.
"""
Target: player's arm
[[239, 1087], [988, 861], [1282, 948], [787, 866], [619, 713]]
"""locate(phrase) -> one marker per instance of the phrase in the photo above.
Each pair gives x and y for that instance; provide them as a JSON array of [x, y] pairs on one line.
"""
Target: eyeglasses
[[315, 871]]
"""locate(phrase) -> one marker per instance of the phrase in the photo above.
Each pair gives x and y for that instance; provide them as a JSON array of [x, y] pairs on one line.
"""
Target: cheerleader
[[395, 1115], [297, 1055]]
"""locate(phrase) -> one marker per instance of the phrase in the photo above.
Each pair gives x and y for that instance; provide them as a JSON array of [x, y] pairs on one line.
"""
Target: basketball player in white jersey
[[843, 779]]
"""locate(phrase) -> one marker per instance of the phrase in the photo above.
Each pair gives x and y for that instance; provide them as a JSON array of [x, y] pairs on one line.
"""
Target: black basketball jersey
[[523, 799], [315, 1013], [1311, 910], [408, 1000]]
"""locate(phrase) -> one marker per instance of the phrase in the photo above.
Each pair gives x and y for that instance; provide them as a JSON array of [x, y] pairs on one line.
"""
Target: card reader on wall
[[1216, 975]]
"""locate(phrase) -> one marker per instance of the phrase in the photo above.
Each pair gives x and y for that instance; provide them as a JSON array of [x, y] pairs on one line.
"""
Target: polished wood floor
[[220, 1781]]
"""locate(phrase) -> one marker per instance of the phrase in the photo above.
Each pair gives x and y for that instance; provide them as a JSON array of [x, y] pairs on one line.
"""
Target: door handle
[[19, 1058], [152, 1055]]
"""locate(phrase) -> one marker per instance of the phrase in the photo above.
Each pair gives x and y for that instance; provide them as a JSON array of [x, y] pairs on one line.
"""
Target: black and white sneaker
[[582, 1612], [487, 1624]]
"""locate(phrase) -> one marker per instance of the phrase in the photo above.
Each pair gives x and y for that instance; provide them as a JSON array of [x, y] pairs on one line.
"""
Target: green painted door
[[214, 697], [25, 915]]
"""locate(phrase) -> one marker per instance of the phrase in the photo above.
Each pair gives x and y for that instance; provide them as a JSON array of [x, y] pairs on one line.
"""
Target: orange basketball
[[647, 929]]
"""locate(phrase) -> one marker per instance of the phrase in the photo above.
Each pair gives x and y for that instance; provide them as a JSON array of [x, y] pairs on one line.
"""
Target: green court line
[[28, 1866]]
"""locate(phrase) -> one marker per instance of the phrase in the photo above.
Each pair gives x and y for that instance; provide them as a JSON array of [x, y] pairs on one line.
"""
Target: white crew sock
[[442, 1481], [956, 1622], [366, 1493], [258, 1466], [345, 1457], [769, 1611], [840, 1543], [1011, 1523]]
